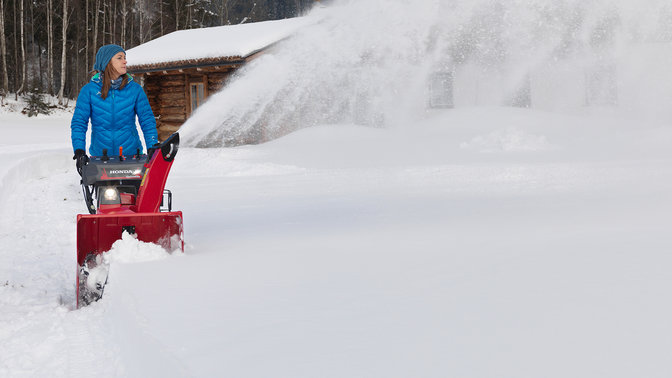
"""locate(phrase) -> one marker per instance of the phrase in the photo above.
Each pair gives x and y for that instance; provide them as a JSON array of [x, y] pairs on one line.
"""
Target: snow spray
[[388, 63]]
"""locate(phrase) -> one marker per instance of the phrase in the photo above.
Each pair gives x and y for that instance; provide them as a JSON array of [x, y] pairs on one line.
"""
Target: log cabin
[[180, 70]]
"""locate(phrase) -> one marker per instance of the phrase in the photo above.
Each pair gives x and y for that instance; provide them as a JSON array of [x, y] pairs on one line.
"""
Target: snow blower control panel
[[113, 168]]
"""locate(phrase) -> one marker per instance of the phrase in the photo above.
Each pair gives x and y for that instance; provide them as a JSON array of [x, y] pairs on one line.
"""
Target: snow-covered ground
[[479, 242]]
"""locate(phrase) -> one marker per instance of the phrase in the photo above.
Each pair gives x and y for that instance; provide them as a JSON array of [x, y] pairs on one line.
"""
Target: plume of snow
[[371, 63]]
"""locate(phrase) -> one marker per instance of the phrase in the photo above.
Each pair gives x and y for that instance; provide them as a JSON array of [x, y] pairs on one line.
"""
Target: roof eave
[[180, 65], [229, 61]]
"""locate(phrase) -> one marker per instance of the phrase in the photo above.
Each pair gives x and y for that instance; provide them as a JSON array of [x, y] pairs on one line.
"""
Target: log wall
[[169, 94], [168, 101]]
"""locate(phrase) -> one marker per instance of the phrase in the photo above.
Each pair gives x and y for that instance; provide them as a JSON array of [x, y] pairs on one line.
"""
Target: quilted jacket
[[112, 119]]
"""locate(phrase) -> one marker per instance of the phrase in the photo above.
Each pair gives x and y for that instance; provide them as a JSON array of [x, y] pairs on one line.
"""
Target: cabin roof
[[219, 45]]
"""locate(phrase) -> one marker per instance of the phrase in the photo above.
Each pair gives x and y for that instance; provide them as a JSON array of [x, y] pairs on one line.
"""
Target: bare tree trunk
[[95, 29], [124, 14], [188, 24], [40, 66], [132, 33], [23, 52], [63, 67], [16, 57], [110, 17], [224, 12], [3, 50], [102, 24], [161, 17], [177, 15], [50, 47], [33, 54], [86, 48], [74, 81], [202, 23], [141, 19], [114, 23]]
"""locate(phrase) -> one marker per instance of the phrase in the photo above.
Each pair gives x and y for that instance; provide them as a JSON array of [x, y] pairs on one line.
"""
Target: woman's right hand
[[80, 159]]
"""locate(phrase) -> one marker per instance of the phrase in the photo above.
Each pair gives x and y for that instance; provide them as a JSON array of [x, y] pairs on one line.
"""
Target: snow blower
[[124, 194]]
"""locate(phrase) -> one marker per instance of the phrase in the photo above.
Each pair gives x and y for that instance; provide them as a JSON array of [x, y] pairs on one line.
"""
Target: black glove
[[81, 159]]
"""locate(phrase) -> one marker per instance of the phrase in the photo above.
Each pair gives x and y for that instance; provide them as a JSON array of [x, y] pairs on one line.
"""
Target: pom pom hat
[[104, 55]]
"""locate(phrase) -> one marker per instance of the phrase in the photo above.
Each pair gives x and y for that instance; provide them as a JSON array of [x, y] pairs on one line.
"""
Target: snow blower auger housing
[[124, 193]]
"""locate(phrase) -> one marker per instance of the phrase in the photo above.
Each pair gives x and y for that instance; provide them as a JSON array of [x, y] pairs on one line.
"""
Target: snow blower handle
[[157, 168]]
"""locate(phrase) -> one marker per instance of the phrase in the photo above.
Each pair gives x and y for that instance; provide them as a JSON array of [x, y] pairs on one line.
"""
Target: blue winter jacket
[[112, 119]]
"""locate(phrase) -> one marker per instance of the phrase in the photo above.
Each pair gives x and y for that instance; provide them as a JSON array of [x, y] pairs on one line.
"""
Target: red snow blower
[[124, 194]]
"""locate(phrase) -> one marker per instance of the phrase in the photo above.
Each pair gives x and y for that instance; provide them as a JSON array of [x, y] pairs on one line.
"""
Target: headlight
[[110, 194]]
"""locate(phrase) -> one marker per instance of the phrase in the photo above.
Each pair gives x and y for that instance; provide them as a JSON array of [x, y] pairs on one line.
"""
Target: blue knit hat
[[104, 55]]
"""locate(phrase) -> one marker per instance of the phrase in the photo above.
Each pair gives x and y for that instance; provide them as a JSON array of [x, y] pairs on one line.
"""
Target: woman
[[111, 100]]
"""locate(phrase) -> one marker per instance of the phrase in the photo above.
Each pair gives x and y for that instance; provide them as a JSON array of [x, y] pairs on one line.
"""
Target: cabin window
[[441, 90], [197, 95]]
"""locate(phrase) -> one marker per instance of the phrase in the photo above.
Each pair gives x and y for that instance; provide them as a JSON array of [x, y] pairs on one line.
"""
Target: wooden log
[[169, 89], [205, 87], [169, 128], [174, 103], [171, 124], [187, 96], [218, 75], [216, 84], [171, 83], [173, 110], [171, 96], [215, 69], [162, 78], [172, 117]]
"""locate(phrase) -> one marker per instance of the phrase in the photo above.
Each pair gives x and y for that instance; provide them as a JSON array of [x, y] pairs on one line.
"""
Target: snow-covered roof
[[211, 45]]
